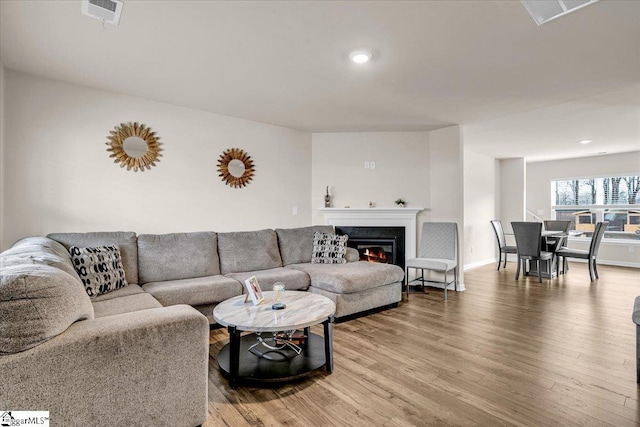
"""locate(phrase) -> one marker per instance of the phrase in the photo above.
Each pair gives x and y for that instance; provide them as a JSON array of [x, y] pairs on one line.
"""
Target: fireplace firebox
[[377, 244]]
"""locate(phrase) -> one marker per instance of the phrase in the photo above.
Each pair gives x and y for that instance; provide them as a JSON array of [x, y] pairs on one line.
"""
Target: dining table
[[552, 240]]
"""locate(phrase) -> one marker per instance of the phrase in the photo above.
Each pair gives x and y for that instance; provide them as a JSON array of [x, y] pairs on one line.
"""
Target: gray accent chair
[[591, 255], [438, 252], [636, 319], [529, 242], [502, 243]]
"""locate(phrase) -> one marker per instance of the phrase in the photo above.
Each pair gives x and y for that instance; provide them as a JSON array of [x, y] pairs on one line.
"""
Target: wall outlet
[[295, 210], [632, 249], [471, 249], [372, 164], [366, 165]]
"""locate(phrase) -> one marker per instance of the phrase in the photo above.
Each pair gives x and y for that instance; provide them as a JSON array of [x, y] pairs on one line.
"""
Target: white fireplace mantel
[[378, 217]]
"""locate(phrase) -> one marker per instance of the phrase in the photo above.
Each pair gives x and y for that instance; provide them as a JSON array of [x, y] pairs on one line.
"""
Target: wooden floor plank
[[504, 352]]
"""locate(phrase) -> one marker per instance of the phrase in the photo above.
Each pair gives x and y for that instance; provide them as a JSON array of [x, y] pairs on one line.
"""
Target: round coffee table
[[252, 357]]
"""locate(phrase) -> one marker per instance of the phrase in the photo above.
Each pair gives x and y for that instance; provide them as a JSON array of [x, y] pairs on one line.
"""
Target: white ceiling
[[517, 88]]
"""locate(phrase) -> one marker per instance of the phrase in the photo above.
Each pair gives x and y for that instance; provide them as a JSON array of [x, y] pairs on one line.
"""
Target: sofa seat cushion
[[125, 241], [350, 277], [432, 264], [196, 291], [177, 256], [124, 304], [294, 280], [39, 250], [119, 293], [296, 244], [37, 303], [248, 251]]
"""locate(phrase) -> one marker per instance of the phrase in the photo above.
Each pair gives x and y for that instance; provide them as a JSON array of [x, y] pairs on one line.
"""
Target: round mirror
[[235, 167], [134, 146]]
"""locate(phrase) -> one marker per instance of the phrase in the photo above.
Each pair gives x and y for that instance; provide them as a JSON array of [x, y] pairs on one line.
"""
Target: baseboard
[[607, 262], [480, 264]]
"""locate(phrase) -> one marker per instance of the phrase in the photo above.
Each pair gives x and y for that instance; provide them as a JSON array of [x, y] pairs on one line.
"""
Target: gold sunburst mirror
[[235, 167], [134, 146]]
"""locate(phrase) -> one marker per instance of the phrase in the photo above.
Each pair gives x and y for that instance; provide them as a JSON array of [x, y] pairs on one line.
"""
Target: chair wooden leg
[[406, 279], [505, 260], [595, 268], [518, 268], [591, 274], [455, 279], [499, 260], [539, 272], [445, 285]]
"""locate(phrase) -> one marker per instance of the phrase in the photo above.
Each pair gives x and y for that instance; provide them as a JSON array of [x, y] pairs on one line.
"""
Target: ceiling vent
[[105, 10], [544, 11]]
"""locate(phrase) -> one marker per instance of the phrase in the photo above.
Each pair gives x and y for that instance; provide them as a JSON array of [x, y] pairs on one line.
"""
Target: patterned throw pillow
[[99, 268], [329, 248]]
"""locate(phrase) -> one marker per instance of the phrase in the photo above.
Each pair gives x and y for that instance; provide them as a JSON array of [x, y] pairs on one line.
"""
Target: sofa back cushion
[[177, 256], [296, 244], [248, 251], [38, 302], [125, 241], [39, 250]]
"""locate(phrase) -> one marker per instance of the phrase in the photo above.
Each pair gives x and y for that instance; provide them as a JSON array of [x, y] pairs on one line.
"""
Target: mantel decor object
[[327, 199], [235, 167], [135, 146], [400, 202]]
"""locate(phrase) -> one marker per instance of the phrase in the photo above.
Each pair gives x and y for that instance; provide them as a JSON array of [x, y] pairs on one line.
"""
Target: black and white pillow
[[329, 248], [99, 268]]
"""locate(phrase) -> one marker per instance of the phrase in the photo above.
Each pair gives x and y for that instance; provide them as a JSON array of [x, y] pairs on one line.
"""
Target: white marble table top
[[303, 309]]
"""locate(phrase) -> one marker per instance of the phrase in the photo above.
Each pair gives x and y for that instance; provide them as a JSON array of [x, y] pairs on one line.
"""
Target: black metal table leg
[[234, 355], [328, 343]]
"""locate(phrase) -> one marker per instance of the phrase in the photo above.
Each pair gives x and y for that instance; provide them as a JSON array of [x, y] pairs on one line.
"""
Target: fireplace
[[377, 244]]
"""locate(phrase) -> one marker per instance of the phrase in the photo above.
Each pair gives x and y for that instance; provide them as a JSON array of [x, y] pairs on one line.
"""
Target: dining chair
[[556, 225], [590, 255], [528, 242], [438, 252], [502, 243]]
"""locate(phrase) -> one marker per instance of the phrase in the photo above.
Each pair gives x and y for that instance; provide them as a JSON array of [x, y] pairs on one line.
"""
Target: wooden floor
[[561, 352]]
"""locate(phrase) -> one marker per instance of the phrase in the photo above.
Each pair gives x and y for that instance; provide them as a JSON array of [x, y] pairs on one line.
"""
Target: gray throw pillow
[[99, 268], [329, 248]]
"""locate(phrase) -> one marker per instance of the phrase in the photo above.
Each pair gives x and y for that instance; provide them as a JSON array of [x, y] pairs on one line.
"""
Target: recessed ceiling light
[[585, 141], [360, 56]]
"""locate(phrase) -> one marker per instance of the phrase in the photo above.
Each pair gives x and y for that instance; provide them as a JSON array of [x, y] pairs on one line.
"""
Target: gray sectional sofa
[[138, 353]]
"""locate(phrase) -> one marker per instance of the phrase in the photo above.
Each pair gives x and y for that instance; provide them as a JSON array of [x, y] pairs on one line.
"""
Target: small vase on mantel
[[327, 199]]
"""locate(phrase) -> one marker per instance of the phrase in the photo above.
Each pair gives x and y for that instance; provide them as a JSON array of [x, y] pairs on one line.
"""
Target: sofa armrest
[[352, 255], [148, 367]]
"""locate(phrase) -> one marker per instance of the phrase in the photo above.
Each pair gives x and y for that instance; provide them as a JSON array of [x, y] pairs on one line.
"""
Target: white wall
[[513, 194], [59, 176], [480, 181], [540, 175], [402, 169], [424, 168], [446, 167]]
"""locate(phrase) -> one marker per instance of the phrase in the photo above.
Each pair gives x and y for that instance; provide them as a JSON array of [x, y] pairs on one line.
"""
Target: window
[[586, 201]]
